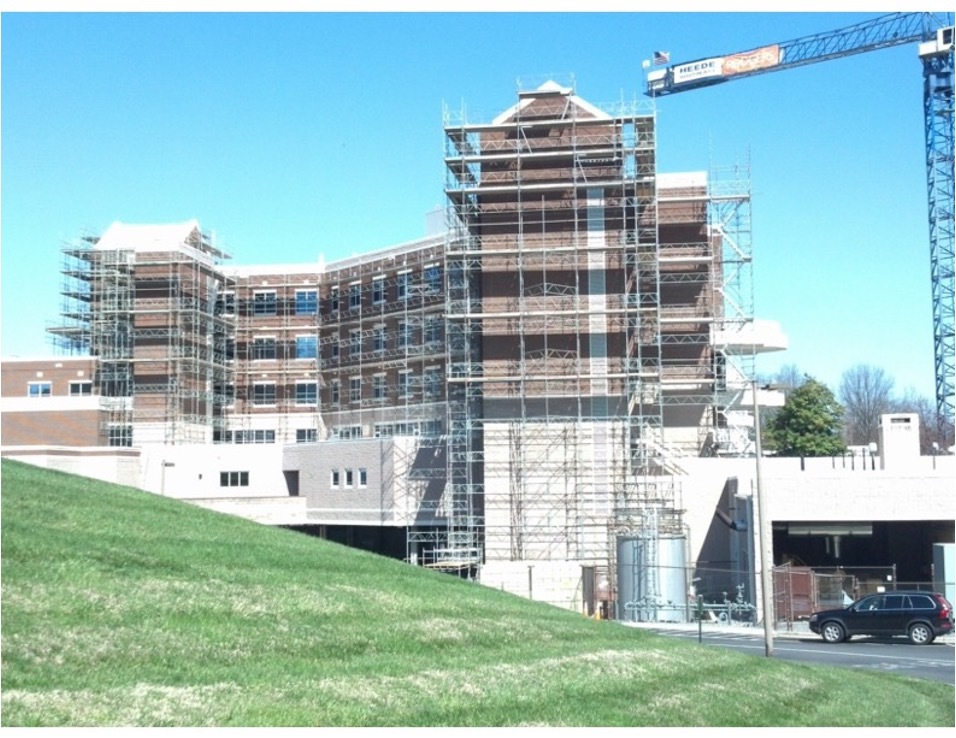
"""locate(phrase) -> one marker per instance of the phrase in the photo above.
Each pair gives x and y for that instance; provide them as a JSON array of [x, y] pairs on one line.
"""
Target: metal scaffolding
[[147, 310]]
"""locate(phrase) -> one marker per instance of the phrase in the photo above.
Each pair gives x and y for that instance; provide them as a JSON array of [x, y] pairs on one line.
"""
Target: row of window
[[306, 393], [259, 435], [404, 337], [346, 478], [431, 386], [265, 348], [266, 302], [429, 428], [45, 389]]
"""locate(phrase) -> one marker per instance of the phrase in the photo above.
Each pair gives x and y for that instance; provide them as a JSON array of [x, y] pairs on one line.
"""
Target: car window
[[872, 602], [921, 602], [893, 602]]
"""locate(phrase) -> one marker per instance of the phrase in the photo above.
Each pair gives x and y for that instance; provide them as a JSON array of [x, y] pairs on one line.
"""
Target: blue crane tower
[[934, 32]]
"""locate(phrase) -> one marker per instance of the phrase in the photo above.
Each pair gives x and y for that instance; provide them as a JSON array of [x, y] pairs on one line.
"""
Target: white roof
[[551, 86], [148, 237]]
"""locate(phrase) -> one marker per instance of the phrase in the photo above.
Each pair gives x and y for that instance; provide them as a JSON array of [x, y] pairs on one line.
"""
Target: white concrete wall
[[558, 583], [193, 471], [105, 464]]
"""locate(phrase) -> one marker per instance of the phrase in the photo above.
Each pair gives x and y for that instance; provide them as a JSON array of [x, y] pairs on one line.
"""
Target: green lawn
[[121, 608]]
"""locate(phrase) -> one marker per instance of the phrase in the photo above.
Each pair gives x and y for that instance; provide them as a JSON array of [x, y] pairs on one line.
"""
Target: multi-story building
[[520, 387]]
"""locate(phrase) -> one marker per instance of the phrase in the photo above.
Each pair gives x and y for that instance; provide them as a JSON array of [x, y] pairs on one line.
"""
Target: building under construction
[[517, 390]]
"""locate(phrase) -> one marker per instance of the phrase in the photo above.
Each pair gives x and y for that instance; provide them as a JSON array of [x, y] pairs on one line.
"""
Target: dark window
[[264, 394], [306, 435], [264, 349], [234, 479], [264, 303], [81, 389], [305, 393]]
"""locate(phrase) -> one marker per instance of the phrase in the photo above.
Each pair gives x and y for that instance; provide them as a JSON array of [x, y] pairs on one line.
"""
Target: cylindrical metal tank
[[652, 578]]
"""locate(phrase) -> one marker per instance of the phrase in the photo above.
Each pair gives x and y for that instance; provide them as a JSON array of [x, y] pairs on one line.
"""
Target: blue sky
[[291, 135]]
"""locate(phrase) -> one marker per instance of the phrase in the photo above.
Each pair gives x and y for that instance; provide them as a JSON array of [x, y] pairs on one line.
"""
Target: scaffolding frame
[[149, 315]]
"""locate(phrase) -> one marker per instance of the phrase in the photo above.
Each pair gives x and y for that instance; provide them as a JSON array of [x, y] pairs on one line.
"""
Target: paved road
[[935, 662]]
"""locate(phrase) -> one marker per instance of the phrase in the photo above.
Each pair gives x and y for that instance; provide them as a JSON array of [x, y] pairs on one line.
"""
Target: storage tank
[[652, 578]]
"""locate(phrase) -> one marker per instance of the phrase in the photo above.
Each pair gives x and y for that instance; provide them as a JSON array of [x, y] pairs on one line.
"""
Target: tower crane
[[934, 32]]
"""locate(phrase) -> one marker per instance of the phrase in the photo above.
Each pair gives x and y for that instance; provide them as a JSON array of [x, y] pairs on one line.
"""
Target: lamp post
[[766, 543]]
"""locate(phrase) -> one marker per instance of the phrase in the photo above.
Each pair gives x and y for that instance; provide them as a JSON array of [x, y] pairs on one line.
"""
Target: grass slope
[[120, 608]]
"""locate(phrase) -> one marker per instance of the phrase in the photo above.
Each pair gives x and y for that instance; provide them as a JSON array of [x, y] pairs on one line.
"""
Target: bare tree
[[866, 394], [789, 378], [933, 429]]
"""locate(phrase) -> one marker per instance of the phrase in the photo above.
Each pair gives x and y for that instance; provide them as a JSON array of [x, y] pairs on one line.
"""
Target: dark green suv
[[920, 616]]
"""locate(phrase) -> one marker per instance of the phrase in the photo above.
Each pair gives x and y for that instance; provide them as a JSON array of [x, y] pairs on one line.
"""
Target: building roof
[[153, 237]]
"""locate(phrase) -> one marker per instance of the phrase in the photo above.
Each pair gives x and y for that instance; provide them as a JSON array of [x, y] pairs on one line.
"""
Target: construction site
[[523, 396], [538, 366]]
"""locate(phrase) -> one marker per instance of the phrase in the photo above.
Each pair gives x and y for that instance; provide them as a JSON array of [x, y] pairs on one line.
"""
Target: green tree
[[809, 424]]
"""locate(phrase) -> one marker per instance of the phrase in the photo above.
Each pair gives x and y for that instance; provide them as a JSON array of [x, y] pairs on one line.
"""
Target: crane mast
[[934, 32]]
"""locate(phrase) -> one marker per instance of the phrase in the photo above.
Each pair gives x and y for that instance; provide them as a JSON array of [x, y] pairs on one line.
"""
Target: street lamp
[[766, 543]]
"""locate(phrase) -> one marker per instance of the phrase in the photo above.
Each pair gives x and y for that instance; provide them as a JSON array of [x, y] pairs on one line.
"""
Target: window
[[306, 347], [234, 479], [346, 432], [355, 389], [363, 477], [378, 339], [264, 349], [334, 300], [264, 303], [433, 279], [306, 302], [334, 393], [230, 349], [227, 303], [379, 392], [39, 389], [355, 342], [264, 393], [225, 394], [120, 435], [404, 383], [378, 290], [334, 479], [334, 350], [348, 477], [432, 381], [432, 330], [404, 280], [251, 436], [81, 389], [305, 393], [355, 296], [404, 334], [306, 435]]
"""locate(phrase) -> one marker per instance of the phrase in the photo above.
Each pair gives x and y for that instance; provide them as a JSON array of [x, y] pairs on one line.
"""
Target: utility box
[[899, 441]]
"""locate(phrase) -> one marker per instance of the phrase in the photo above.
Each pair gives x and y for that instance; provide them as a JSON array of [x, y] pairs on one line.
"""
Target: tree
[[789, 377], [932, 428], [866, 393], [808, 424]]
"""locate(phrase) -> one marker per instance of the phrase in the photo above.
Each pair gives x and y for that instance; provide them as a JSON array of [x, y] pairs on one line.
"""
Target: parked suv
[[921, 616]]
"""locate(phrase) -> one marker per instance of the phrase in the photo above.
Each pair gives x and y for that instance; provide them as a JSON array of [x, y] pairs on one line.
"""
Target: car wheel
[[833, 632], [921, 634]]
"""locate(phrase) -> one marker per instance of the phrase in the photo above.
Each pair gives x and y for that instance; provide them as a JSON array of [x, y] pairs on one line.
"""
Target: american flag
[[661, 57]]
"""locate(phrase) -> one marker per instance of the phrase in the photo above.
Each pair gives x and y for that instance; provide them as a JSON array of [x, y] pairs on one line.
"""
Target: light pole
[[766, 542]]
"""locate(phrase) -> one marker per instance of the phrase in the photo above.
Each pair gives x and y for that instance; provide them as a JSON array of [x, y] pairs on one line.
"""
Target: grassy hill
[[121, 608]]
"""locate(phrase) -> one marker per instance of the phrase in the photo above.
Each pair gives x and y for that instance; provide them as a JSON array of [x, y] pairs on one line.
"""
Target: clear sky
[[294, 135]]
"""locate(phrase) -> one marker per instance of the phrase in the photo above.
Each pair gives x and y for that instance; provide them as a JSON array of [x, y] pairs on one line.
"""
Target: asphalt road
[[935, 661]]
